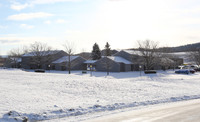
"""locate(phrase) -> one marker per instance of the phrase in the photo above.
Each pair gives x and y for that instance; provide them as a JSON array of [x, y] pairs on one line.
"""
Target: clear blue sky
[[120, 22]]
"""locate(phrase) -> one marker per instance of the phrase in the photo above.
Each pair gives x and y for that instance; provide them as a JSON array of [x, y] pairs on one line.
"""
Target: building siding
[[101, 65], [114, 66], [76, 64], [135, 59]]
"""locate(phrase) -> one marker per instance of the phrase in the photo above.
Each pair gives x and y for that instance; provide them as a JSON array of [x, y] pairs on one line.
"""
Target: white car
[[190, 67]]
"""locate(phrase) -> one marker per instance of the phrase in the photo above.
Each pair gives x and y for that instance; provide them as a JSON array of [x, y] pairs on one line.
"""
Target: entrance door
[[132, 67], [122, 67]]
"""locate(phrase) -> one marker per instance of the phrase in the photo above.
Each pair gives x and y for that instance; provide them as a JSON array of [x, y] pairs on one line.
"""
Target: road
[[185, 111]]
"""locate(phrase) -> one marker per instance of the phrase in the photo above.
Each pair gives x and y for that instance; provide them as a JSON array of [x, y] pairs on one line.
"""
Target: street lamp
[[90, 69], [140, 67], [49, 67]]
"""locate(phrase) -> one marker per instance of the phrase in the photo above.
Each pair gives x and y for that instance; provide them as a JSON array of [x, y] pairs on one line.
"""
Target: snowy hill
[[183, 48]]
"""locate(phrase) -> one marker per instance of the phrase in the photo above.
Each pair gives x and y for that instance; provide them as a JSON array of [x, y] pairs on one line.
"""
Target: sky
[[121, 23]]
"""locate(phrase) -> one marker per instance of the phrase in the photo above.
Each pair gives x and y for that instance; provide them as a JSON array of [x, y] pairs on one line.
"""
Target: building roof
[[90, 61], [85, 55], [114, 51], [65, 59], [119, 59], [42, 53]]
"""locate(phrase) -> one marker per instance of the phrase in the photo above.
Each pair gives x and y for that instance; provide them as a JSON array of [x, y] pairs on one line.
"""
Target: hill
[[184, 48]]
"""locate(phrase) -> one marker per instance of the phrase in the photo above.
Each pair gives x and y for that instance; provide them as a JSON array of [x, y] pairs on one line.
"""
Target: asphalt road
[[185, 111]]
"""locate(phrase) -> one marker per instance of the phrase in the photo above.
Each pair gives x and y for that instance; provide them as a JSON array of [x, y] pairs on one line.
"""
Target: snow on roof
[[90, 61], [119, 59], [65, 59], [42, 53]]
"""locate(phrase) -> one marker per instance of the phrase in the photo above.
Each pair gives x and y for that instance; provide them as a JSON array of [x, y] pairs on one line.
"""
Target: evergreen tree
[[96, 53], [107, 50], [107, 61]]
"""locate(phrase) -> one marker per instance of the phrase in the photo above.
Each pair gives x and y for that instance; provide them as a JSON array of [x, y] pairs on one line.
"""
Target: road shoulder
[[177, 111]]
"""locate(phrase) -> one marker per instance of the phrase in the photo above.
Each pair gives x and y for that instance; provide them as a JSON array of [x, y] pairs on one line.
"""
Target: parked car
[[194, 66], [197, 69], [189, 67], [185, 71], [40, 70], [192, 71], [182, 72]]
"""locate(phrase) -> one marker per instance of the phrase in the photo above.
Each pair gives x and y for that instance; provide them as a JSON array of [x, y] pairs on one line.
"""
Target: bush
[[40, 70], [84, 72], [150, 72]]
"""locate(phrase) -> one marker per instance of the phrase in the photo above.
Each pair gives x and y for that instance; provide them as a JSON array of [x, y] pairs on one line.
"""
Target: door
[[122, 67]]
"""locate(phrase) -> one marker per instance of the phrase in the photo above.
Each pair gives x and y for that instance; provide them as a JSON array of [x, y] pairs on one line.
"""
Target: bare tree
[[70, 50], [195, 56], [24, 49], [40, 53], [148, 50], [14, 56]]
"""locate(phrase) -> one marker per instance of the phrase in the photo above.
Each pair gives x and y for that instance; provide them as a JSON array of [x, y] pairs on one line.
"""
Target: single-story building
[[113, 63], [132, 56], [15, 62], [137, 59], [2, 61], [35, 60], [164, 64], [62, 63]]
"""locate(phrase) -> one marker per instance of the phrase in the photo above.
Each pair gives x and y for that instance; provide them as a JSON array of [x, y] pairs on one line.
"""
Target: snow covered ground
[[55, 94]]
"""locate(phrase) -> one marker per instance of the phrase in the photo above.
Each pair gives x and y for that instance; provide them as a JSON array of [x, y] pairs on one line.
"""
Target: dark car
[[197, 69], [192, 71], [185, 71]]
